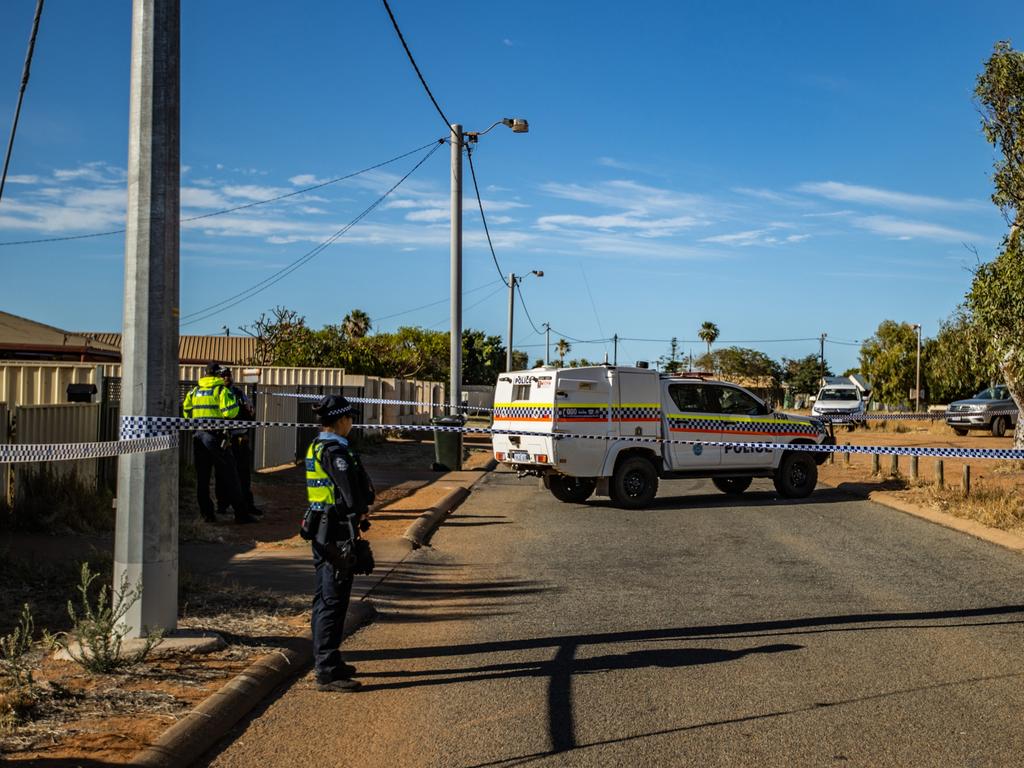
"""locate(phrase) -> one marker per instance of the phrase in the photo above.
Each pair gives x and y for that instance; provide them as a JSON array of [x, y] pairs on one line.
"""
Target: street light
[[514, 280], [917, 384], [458, 139]]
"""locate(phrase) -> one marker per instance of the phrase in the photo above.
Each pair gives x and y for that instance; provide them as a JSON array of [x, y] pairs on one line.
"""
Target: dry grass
[[994, 506]]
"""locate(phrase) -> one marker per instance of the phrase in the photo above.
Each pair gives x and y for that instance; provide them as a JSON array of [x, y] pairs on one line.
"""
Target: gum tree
[[996, 298]]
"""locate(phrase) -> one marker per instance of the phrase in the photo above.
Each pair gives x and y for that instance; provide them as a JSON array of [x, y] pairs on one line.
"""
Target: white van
[[600, 428]]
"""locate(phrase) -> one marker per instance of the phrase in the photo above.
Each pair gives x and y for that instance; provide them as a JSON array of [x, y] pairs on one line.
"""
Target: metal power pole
[[455, 359], [511, 315], [917, 385], [823, 356], [615, 347], [146, 538], [26, 69], [547, 343]]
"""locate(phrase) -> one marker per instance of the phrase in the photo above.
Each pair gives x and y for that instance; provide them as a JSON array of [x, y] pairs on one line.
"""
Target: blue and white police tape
[[140, 434], [17, 453]]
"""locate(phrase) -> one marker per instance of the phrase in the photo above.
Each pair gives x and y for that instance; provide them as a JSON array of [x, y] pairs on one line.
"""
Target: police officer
[[211, 399], [340, 494], [240, 451]]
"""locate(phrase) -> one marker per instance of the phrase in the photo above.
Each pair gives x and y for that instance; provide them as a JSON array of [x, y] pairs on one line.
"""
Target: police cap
[[331, 408], [215, 369]]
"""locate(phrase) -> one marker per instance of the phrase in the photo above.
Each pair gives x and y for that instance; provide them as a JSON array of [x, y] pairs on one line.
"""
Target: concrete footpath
[[401, 527]]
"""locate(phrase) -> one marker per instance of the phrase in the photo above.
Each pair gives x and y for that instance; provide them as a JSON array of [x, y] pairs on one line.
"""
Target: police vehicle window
[[521, 392], [738, 403], [688, 397]]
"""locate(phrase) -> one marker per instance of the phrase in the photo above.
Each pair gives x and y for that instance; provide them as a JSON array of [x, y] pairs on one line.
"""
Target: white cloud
[[627, 195], [24, 178], [853, 193], [252, 191], [508, 42], [305, 180], [796, 238], [747, 237], [196, 197], [904, 229], [644, 226]]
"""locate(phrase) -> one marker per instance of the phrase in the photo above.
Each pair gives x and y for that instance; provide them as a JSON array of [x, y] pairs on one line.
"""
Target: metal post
[[615, 357], [823, 357], [547, 343], [511, 314], [455, 359], [146, 538], [917, 387]]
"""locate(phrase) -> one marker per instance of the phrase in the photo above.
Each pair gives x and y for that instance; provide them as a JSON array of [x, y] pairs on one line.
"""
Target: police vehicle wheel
[[634, 483], [572, 490], [733, 486], [960, 432], [998, 426], [796, 476]]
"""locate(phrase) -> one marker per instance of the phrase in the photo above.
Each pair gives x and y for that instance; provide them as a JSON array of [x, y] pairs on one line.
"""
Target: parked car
[[839, 402], [991, 409]]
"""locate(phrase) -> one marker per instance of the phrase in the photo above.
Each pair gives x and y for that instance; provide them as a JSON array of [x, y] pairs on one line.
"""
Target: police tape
[[142, 434]]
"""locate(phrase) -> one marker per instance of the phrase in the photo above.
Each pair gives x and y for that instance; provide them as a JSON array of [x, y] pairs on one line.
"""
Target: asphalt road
[[707, 631]]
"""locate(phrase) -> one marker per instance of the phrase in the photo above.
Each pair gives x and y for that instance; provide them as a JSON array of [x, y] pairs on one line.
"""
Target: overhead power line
[[238, 298], [21, 93], [522, 301], [415, 66], [483, 217], [719, 341], [431, 304], [302, 191]]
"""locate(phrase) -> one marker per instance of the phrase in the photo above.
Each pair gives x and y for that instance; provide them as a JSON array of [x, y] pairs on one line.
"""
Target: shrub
[[101, 630], [17, 687]]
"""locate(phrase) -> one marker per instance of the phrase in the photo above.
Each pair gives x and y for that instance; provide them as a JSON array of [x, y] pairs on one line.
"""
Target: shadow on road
[[564, 664]]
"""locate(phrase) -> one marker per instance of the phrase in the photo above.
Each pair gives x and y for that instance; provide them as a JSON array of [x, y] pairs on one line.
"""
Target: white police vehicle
[[576, 425]]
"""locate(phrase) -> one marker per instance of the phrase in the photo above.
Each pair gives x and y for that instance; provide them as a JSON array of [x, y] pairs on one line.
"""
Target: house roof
[[193, 350], [21, 337]]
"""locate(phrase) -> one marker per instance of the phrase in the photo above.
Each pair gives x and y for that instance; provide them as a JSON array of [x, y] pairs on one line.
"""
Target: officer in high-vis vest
[[211, 399], [340, 494]]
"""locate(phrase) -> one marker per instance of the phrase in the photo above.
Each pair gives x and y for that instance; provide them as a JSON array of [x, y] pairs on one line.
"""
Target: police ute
[[617, 430]]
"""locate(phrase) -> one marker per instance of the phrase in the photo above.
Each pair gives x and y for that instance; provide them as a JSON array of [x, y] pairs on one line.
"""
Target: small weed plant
[[100, 628], [17, 687]]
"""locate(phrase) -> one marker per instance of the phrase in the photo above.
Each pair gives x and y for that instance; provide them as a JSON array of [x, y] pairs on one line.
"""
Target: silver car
[[991, 409]]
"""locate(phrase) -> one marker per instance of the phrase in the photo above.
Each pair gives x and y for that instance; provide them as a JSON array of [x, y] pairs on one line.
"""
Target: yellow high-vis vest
[[210, 400]]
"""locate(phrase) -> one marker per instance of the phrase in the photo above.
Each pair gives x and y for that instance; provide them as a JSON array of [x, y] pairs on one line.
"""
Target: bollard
[[846, 456], [831, 459], [894, 465], [913, 469], [875, 466], [965, 481], [940, 475]]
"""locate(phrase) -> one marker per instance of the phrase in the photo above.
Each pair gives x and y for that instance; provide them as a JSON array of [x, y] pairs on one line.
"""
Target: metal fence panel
[[66, 423], [35, 383], [274, 446]]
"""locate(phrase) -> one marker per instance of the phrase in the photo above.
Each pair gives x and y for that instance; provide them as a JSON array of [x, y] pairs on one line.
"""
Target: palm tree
[[708, 333], [563, 348], [356, 324]]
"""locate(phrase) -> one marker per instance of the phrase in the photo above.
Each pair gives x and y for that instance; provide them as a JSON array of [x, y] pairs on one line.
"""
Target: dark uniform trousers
[[330, 604], [209, 453], [242, 464]]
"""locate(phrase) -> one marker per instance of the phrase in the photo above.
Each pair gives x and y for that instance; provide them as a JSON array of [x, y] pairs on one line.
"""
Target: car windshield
[[992, 393], [839, 394]]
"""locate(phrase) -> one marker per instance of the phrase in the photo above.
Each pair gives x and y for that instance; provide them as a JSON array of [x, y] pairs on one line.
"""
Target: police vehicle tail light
[[499, 455], [542, 458]]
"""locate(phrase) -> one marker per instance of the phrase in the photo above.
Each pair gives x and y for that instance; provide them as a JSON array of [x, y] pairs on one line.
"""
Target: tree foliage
[[803, 375], [889, 360], [958, 361], [708, 333], [740, 363], [410, 352], [996, 298]]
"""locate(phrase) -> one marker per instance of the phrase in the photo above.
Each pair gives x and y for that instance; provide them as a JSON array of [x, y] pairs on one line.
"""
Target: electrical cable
[[21, 93], [431, 304], [401, 38], [238, 298], [302, 191], [522, 301], [480, 204], [471, 306]]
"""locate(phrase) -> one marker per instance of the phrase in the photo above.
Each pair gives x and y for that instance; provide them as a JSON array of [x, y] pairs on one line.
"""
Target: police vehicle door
[[687, 417], [744, 420]]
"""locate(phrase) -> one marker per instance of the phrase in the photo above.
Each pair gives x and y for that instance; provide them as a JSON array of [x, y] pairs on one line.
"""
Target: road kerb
[[423, 527], [204, 726], [964, 525]]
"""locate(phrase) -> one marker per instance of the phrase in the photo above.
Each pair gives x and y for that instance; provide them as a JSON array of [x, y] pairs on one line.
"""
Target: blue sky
[[781, 170]]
